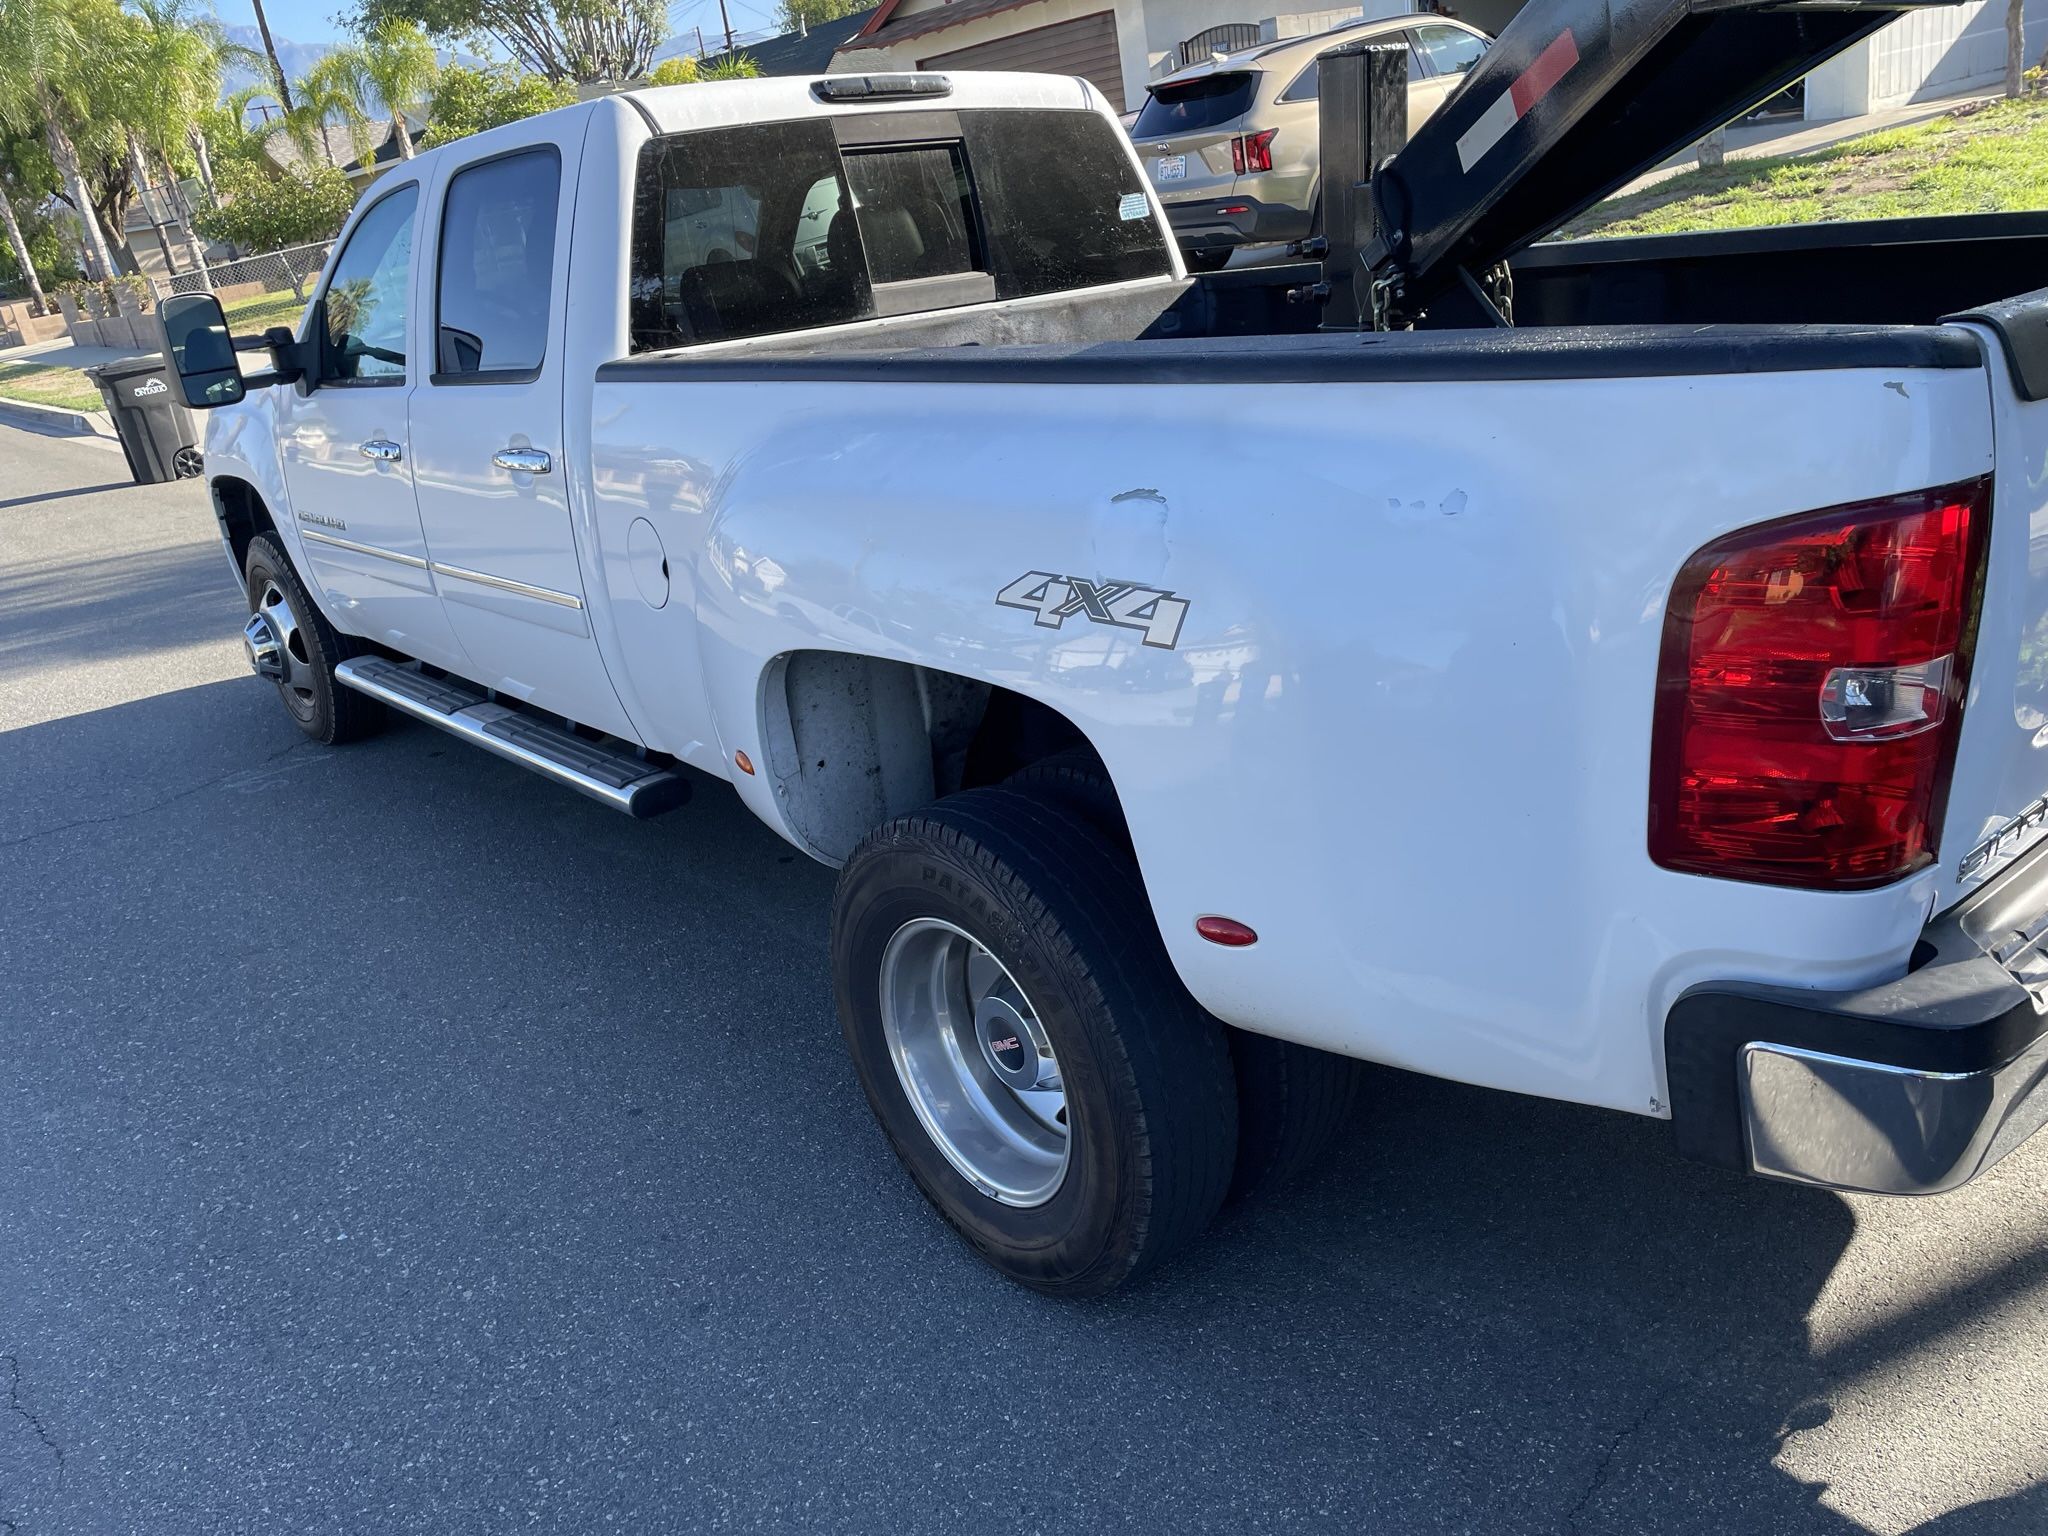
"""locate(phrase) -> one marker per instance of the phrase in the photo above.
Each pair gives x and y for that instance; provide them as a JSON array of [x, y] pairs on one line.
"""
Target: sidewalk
[[65, 353], [58, 420], [1792, 136]]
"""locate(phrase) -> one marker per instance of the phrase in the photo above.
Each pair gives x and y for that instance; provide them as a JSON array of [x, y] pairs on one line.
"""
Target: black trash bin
[[157, 430]]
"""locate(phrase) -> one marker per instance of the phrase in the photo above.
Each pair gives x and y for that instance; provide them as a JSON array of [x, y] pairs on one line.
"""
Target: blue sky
[[303, 21], [311, 21]]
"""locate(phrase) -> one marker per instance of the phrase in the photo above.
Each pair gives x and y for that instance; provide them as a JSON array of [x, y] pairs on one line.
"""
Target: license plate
[[1172, 168]]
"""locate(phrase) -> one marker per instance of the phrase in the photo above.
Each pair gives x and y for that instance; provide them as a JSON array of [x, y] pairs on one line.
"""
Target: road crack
[[155, 805], [1656, 1400], [34, 1423]]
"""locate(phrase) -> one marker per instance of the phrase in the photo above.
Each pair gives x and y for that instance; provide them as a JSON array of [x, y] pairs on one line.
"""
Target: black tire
[[1293, 1103], [1206, 261], [324, 710], [1077, 780], [1151, 1102]]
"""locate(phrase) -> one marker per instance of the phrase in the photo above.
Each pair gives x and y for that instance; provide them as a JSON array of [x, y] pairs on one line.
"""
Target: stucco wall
[[1924, 54], [1148, 32]]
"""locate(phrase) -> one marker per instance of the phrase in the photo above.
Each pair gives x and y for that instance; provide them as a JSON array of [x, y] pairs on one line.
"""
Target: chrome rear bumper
[[1861, 1125], [1909, 1088]]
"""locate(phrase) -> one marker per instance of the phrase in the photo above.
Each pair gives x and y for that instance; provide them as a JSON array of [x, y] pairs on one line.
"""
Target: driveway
[[392, 1142]]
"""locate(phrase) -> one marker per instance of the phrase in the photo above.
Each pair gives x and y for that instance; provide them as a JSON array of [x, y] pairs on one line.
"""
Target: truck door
[[344, 447], [487, 429]]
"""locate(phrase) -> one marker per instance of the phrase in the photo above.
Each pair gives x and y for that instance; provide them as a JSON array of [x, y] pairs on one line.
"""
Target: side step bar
[[608, 774]]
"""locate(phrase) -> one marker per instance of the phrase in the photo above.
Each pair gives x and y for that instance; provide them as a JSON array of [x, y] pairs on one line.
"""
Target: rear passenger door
[[487, 431]]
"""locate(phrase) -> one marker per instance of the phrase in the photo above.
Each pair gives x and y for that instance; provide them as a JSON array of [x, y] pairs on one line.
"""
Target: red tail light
[[1252, 151], [1810, 692]]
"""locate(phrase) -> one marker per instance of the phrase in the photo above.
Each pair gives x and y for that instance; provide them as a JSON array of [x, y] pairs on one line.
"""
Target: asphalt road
[[391, 1142]]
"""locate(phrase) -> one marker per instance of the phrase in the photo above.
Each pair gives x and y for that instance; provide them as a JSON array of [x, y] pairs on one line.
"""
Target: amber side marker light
[[1227, 931], [744, 763]]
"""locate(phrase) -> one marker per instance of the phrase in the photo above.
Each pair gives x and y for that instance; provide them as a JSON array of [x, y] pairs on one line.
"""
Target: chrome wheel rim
[[278, 649], [975, 1062]]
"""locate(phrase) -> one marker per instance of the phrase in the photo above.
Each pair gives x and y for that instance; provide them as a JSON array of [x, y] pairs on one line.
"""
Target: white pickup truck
[[1628, 710]]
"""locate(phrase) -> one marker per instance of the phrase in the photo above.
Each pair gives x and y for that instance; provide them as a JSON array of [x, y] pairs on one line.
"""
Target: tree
[[802, 15], [467, 101], [172, 71], [33, 246], [391, 70], [324, 94], [732, 66], [2015, 47], [46, 69], [261, 211], [677, 71], [580, 42]]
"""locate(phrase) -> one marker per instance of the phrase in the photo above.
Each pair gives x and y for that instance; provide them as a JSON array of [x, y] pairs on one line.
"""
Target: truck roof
[[726, 103], [723, 103]]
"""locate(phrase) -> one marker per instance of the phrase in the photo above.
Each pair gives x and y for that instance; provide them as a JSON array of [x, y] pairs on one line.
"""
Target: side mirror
[[202, 353]]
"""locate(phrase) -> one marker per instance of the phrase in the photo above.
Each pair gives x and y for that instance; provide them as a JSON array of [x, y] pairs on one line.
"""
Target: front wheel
[[1023, 1039], [290, 643]]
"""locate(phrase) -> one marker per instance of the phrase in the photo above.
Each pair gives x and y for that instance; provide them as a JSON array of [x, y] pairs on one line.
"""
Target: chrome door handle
[[523, 461], [382, 450]]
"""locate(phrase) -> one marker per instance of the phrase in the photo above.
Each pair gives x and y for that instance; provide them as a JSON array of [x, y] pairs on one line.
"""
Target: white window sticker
[[1131, 206]]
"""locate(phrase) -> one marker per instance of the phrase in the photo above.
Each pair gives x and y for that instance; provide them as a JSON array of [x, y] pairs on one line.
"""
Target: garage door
[[1084, 47]]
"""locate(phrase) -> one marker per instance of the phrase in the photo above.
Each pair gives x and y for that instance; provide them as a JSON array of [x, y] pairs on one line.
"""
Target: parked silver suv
[[1231, 143]]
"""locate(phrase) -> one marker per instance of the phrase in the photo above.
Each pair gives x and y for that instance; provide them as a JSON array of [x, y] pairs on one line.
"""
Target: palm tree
[[284, 90], [2015, 47], [43, 70], [392, 69], [323, 94], [175, 65], [19, 246]]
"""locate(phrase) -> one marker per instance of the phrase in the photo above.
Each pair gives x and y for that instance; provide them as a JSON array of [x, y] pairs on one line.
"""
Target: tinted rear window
[[1193, 105], [775, 227], [1063, 202]]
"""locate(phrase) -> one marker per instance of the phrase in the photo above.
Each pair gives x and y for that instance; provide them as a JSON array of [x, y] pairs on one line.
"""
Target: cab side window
[[1308, 84], [362, 311], [496, 280], [1450, 50]]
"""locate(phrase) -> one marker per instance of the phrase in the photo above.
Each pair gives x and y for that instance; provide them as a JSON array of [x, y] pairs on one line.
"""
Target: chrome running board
[[609, 774]]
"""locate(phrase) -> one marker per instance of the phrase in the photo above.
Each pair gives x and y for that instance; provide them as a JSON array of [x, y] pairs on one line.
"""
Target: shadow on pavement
[[116, 605], [428, 1133]]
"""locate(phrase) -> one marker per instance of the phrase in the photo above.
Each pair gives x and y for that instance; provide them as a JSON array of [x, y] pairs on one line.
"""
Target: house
[[793, 53], [1119, 45], [1124, 45]]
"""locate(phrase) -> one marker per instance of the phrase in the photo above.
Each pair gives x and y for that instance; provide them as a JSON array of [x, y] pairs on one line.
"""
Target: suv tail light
[[1252, 151], [1810, 692]]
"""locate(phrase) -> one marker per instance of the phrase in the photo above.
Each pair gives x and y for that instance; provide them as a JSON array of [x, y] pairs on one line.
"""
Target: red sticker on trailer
[[1515, 103]]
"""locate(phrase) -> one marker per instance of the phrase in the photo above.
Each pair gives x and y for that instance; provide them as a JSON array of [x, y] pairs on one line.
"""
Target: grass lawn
[[1988, 159], [48, 384], [246, 316]]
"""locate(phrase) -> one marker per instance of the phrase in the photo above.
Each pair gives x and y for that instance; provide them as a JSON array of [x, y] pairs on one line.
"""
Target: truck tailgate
[[1998, 800]]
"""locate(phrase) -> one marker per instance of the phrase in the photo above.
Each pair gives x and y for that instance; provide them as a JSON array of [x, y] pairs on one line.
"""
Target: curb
[[55, 420]]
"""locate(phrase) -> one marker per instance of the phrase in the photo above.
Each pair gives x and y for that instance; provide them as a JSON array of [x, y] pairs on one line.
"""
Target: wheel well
[[854, 740], [242, 515]]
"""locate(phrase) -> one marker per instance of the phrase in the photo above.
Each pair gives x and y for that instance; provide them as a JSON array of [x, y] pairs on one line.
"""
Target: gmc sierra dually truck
[[1644, 704]]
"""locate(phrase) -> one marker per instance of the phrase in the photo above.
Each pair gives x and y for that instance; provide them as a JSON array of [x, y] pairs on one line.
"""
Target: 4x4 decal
[[1125, 604]]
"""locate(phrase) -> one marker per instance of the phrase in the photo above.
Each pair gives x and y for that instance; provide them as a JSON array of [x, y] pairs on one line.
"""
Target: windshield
[[1192, 105]]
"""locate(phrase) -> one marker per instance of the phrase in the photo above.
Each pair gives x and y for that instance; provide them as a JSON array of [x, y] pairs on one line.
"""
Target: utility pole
[[728, 27], [700, 42], [284, 90]]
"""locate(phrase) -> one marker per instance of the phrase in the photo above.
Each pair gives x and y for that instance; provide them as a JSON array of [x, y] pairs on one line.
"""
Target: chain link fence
[[252, 279]]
